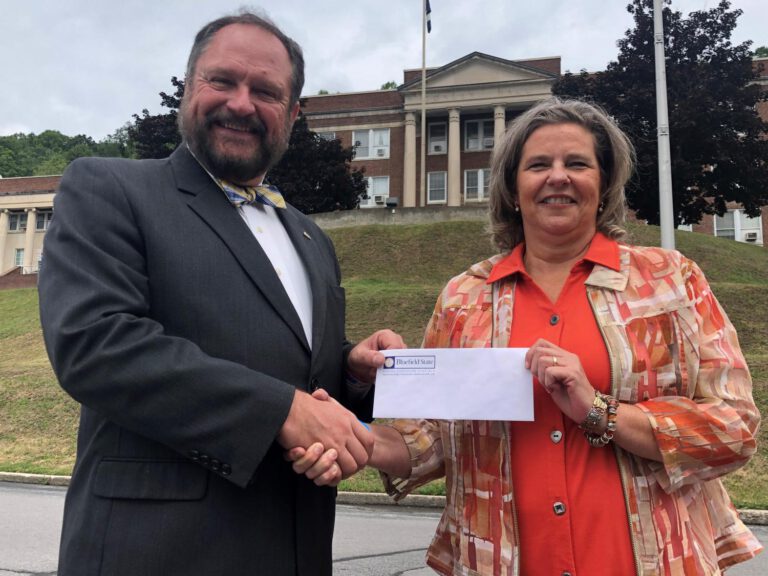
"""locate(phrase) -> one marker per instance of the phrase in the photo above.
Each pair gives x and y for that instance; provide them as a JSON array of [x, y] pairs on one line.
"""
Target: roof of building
[[29, 185], [548, 66]]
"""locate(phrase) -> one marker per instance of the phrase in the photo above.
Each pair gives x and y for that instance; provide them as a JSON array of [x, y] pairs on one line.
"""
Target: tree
[[717, 139], [49, 152], [391, 85], [315, 174], [761, 52], [156, 136]]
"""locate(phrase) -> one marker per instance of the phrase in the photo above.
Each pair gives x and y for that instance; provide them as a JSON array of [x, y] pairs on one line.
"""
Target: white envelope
[[454, 384]]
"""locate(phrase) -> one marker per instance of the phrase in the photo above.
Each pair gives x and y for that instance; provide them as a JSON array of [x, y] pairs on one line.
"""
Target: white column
[[3, 236], [499, 124], [29, 240], [409, 162], [454, 158]]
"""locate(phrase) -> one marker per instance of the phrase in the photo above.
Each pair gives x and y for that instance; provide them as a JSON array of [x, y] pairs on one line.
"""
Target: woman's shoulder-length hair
[[614, 151]]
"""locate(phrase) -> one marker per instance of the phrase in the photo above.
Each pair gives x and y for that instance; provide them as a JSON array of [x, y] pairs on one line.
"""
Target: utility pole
[[666, 206]]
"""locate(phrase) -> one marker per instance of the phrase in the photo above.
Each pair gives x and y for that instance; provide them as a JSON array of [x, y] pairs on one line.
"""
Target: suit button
[[314, 384], [194, 455], [226, 469], [215, 465], [204, 459]]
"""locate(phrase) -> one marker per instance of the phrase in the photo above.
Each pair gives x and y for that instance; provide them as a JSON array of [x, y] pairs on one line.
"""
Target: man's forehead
[[245, 37]]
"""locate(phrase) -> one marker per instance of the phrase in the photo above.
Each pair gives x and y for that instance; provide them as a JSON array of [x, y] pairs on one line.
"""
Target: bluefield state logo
[[410, 364]]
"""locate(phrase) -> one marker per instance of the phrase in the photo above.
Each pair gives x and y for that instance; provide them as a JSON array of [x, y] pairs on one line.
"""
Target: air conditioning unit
[[750, 236], [487, 142], [379, 198], [437, 148], [380, 152]]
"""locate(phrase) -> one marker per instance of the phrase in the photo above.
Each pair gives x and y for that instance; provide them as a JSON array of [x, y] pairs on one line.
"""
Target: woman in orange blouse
[[630, 351]]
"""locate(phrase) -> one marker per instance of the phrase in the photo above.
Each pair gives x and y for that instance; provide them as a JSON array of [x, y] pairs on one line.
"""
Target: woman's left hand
[[562, 376]]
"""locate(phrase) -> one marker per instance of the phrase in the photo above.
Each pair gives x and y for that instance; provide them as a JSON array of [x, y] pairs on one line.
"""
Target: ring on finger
[[554, 361]]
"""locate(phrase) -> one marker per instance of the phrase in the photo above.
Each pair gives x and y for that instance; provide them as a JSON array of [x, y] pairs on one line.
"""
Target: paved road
[[370, 541]]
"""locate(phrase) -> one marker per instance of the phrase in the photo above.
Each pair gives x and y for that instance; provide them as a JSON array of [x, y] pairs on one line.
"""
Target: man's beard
[[236, 168]]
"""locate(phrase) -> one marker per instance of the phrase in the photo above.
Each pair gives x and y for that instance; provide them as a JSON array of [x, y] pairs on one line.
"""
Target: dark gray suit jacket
[[164, 318]]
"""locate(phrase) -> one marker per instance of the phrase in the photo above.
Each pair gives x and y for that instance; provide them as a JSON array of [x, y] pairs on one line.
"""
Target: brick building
[[26, 208], [468, 104]]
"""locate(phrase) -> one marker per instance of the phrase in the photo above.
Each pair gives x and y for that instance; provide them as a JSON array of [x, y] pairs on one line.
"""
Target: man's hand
[[365, 358], [312, 420]]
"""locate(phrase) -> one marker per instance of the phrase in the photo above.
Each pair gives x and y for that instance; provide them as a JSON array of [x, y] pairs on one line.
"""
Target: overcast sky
[[85, 66]]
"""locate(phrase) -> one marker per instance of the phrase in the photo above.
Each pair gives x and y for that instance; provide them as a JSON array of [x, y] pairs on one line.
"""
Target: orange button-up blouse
[[572, 518]]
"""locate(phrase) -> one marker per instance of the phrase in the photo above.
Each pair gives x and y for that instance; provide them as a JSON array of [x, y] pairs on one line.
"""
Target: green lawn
[[392, 276]]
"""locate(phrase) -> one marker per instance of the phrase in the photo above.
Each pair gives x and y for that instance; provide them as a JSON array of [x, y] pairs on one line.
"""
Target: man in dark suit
[[192, 325]]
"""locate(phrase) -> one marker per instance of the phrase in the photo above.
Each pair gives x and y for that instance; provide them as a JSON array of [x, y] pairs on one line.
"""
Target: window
[[378, 192], [478, 135], [18, 257], [724, 226], [327, 135], [436, 193], [371, 143], [751, 229], [43, 219], [476, 185], [438, 138], [736, 225], [17, 221]]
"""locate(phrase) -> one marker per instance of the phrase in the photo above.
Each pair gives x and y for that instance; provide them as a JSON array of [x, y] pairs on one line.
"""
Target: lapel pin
[[307, 235]]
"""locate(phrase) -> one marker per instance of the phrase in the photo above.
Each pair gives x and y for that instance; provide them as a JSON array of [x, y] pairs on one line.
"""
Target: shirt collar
[[602, 250]]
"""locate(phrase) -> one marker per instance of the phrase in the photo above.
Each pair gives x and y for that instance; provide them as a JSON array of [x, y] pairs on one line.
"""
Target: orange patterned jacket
[[673, 353]]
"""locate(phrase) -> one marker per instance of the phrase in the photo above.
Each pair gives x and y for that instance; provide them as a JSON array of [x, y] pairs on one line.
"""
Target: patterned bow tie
[[239, 195]]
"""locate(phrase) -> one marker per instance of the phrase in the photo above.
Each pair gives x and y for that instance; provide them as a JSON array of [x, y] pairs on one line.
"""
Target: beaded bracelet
[[600, 440], [595, 414]]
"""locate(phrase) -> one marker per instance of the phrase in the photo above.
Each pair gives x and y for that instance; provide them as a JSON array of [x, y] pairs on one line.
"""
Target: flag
[[429, 18]]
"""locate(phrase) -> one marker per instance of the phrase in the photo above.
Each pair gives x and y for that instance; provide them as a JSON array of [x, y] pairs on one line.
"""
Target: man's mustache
[[252, 124]]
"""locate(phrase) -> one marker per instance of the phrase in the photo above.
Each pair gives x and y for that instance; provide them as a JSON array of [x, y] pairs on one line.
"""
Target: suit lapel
[[310, 255], [212, 206]]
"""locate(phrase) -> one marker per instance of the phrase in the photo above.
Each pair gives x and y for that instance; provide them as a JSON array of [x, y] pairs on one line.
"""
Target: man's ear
[[295, 111]]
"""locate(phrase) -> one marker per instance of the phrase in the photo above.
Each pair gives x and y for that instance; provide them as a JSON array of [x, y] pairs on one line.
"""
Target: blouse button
[[559, 508], [555, 436], [554, 319]]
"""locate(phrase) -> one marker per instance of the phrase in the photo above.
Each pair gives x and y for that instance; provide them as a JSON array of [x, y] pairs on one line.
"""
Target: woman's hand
[[316, 463], [562, 376]]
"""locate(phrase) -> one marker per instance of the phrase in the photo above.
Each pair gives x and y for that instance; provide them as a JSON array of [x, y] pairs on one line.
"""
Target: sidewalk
[[753, 517]]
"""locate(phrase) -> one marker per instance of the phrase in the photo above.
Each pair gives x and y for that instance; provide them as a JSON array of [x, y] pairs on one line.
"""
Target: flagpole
[[423, 103]]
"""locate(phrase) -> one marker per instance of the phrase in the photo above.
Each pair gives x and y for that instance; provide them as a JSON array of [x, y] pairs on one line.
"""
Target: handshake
[[338, 446], [327, 442]]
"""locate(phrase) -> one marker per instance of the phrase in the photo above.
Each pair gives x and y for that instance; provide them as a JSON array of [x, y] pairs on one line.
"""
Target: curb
[[753, 517]]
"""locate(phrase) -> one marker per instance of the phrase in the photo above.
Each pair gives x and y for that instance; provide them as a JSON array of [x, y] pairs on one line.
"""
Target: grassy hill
[[392, 276]]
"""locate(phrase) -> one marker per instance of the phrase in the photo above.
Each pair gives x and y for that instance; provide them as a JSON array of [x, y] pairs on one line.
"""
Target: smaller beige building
[[26, 208]]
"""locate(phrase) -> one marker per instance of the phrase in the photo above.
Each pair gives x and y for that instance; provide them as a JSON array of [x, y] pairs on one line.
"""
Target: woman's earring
[[601, 207], [517, 207]]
